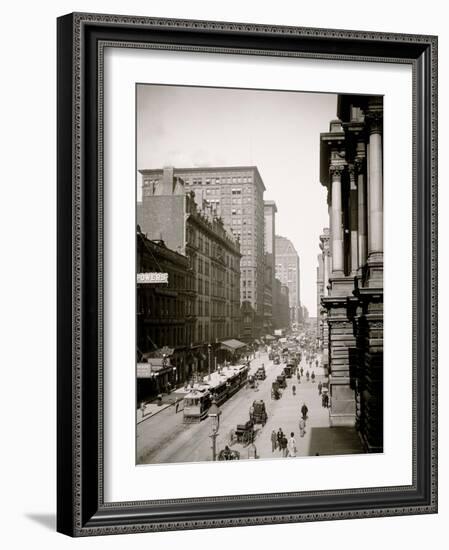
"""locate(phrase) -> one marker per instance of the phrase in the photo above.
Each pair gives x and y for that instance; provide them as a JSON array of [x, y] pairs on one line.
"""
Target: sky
[[279, 132]]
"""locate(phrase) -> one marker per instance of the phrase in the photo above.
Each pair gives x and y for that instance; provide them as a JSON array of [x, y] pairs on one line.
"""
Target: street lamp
[[214, 413], [209, 347]]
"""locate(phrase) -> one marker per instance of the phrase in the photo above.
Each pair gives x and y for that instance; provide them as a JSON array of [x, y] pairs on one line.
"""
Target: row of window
[[216, 181]]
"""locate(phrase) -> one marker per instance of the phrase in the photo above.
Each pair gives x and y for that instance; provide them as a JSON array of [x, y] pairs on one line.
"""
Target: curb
[[155, 414]]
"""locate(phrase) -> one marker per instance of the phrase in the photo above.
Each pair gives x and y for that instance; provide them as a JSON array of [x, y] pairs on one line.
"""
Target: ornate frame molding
[[81, 41]]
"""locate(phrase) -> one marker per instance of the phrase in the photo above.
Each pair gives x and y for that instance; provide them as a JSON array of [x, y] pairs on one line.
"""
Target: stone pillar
[[375, 190], [353, 221], [360, 166], [326, 271], [336, 221]]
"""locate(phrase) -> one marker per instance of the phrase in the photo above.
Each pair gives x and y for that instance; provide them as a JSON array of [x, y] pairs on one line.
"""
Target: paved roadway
[[164, 438]]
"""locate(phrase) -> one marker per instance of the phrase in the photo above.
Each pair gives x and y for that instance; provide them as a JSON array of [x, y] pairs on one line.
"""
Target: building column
[[336, 222], [360, 166], [353, 221], [326, 271], [375, 189]]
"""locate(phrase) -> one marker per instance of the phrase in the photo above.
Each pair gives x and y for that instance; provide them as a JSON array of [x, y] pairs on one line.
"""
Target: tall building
[[270, 211], [170, 214], [288, 272], [351, 170], [234, 194]]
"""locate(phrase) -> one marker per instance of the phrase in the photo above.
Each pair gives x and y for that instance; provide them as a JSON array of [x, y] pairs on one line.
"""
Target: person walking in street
[[274, 440], [279, 436], [302, 427], [294, 390], [313, 376], [316, 363], [304, 411], [325, 400], [302, 371], [320, 387], [307, 375], [284, 446], [292, 445]]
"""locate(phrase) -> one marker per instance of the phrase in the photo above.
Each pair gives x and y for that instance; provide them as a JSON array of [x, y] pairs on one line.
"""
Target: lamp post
[[214, 413], [209, 348]]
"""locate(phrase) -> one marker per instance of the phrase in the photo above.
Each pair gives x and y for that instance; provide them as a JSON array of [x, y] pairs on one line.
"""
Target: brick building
[[234, 194], [169, 212]]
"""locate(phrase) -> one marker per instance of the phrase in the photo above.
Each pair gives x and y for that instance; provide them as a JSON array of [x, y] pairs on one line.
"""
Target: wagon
[[275, 391], [244, 433], [259, 413], [281, 381], [260, 373]]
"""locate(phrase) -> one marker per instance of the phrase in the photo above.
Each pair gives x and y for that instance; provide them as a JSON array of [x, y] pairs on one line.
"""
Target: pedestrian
[[302, 427], [304, 411], [307, 375], [316, 363], [313, 376], [302, 371], [284, 446], [320, 387], [294, 390], [251, 412], [292, 445], [325, 400], [142, 408], [273, 441], [279, 436]]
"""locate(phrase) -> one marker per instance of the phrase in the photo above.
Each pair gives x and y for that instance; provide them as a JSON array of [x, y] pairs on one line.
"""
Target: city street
[[164, 438]]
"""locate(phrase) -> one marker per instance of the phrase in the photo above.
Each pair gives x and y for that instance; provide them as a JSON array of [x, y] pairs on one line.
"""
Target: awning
[[269, 337], [232, 345]]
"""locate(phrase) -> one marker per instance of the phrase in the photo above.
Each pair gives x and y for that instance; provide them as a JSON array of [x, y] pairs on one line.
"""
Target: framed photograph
[[247, 274]]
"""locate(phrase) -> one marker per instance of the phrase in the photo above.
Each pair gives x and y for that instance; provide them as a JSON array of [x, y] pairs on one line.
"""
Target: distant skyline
[[279, 132]]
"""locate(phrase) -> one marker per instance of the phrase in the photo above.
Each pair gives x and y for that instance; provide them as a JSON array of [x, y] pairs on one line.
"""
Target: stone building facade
[[169, 212], [270, 211], [288, 272], [351, 170], [234, 194], [165, 308]]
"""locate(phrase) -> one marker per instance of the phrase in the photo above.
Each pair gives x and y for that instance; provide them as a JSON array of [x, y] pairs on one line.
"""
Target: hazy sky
[[279, 132]]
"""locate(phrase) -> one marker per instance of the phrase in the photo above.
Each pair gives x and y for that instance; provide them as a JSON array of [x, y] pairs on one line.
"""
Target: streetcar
[[196, 405], [218, 386]]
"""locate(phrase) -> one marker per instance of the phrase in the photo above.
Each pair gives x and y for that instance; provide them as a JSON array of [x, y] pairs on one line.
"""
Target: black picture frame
[[81, 510]]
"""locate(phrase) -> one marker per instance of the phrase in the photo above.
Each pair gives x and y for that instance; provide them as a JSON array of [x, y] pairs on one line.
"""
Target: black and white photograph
[[259, 274]]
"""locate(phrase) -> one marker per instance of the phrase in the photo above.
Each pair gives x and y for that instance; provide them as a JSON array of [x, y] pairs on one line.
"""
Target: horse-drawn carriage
[[275, 391], [288, 369], [281, 380], [251, 381], [260, 373], [258, 413], [244, 433]]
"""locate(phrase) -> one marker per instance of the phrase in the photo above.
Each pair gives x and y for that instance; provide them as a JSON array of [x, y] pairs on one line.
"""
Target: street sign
[[152, 278]]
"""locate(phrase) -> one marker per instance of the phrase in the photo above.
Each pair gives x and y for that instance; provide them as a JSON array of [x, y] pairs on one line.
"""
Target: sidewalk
[[319, 437]]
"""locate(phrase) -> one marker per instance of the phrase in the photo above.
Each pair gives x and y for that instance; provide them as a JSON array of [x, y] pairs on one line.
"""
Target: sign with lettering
[[152, 278]]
